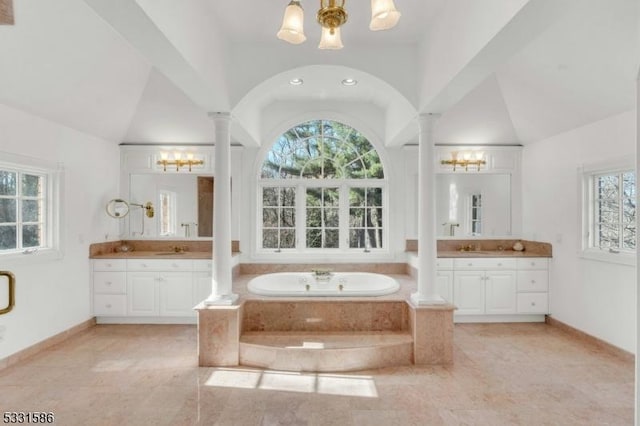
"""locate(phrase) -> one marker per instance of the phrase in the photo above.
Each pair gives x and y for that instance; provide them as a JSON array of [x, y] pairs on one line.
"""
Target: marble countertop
[[156, 255], [489, 253]]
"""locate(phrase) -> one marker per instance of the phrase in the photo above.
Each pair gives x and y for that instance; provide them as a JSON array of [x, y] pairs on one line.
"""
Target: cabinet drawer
[[110, 282], [109, 305], [533, 303], [533, 281], [203, 265], [484, 263], [533, 263], [159, 265], [109, 264]]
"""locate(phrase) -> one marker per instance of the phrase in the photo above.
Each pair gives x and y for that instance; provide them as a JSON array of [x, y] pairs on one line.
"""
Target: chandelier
[[331, 16]]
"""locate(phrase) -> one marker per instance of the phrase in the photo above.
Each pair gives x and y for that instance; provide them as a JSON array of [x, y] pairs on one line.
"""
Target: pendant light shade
[[383, 15], [292, 29], [330, 39]]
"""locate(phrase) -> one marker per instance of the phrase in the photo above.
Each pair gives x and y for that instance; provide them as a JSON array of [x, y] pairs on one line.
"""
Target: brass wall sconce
[[466, 159], [178, 161]]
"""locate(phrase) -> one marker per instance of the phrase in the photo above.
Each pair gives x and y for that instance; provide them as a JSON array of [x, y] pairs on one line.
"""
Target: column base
[[221, 300], [418, 299]]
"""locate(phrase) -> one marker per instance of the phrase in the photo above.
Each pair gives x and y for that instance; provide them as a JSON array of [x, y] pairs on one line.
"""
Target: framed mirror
[[473, 205], [184, 205]]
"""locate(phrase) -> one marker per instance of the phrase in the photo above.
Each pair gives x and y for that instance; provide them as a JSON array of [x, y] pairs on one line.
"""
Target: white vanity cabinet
[[149, 290], [202, 275], [500, 289], [533, 286], [109, 287], [444, 279]]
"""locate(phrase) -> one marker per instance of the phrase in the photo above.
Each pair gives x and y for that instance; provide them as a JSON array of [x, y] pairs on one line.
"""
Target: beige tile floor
[[504, 374]]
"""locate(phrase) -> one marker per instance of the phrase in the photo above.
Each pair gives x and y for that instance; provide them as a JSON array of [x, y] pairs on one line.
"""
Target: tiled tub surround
[[325, 334]]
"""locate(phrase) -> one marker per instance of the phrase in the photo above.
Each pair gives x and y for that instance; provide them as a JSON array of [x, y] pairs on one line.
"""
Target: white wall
[[52, 296], [596, 297]]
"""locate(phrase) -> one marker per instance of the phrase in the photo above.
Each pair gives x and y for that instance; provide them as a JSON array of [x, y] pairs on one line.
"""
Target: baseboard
[[614, 350], [46, 343]]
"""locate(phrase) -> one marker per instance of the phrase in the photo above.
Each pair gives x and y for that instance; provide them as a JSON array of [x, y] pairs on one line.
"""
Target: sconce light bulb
[[164, 156], [177, 155], [479, 155], [467, 156], [190, 156]]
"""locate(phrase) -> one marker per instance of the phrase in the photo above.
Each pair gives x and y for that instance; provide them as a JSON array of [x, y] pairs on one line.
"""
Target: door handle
[[12, 292]]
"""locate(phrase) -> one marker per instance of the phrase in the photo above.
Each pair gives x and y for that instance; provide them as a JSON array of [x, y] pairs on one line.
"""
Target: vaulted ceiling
[[148, 71]]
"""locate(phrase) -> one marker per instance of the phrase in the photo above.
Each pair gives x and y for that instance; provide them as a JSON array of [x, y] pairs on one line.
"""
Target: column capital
[[222, 116], [428, 119]]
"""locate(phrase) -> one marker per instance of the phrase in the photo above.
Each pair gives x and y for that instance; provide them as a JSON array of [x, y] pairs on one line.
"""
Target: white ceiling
[[66, 62]]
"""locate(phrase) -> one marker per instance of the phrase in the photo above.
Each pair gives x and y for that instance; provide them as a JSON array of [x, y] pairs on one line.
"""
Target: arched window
[[322, 187]]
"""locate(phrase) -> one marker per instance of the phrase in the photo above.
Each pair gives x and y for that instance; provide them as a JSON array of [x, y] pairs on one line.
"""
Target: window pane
[[608, 187], [31, 211], [629, 184], [331, 197], [31, 236], [8, 183], [356, 238], [7, 210], [287, 238], [31, 185], [314, 238], [269, 218], [288, 218], [374, 218], [375, 238], [288, 196], [270, 196], [331, 218], [8, 237], [314, 217], [270, 238], [608, 235], [314, 196], [374, 197], [629, 238], [332, 238], [356, 218], [356, 196]]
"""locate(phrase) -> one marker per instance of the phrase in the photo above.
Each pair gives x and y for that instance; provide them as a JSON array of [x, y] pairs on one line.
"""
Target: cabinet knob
[[533, 263], [533, 281], [144, 265], [108, 265], [499, 264], [175, 265], [533, 303], [469, 264], [108, 283], [108, 306]]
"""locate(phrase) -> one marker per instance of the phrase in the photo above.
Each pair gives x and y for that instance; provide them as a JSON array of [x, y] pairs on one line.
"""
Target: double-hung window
[[28, 209], [610, 212], [322, 187]]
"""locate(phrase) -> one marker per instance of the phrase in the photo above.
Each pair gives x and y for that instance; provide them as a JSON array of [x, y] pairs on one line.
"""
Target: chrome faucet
[[322, 274]]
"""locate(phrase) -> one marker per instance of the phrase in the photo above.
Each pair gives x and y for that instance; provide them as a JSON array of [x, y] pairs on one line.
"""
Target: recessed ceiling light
[[349, 82], [296, 81]]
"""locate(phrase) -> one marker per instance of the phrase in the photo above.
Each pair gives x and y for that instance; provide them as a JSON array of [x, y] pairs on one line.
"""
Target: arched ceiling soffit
[[322, 86]]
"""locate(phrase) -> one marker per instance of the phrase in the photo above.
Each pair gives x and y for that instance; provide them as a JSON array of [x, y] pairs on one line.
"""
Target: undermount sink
[[170, 253]]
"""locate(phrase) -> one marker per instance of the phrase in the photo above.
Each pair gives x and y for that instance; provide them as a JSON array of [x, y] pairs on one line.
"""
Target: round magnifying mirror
[[117, 208]]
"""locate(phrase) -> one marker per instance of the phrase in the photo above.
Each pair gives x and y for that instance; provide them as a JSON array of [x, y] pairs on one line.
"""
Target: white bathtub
[[341, 284]]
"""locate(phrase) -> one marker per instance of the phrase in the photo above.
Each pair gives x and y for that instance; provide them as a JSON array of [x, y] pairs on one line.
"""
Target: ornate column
[[221, 288], [427, 244]]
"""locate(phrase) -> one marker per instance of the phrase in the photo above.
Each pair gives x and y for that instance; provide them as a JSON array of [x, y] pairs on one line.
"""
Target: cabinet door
[[201, 286], [468, 292], [142, 293], [176, 294], [500, 292], [444, 285]]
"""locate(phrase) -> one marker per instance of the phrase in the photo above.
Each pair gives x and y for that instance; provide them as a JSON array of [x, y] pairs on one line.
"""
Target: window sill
[[628, 259], [41, 256]]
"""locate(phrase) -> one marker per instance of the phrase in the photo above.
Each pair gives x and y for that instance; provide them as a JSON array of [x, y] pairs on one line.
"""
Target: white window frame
[[300, 207], [52, 199], [587, 177]]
